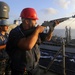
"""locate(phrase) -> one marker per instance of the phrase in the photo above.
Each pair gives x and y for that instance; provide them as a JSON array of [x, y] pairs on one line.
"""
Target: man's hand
[[40, 29], [51, 23]]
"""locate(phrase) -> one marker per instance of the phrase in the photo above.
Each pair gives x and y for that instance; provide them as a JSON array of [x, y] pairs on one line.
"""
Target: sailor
[[22, 45], [3, 39]]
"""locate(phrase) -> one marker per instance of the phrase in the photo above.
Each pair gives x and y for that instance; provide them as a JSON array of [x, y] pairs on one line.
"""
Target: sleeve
[[2, 40], [14, 38]]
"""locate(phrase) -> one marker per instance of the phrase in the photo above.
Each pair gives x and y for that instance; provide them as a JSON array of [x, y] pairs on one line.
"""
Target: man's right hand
[[40, 29]]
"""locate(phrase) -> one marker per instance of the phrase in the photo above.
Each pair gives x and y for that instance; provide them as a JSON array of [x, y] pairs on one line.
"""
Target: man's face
[[32, 23], [4, 28], [28, 23]]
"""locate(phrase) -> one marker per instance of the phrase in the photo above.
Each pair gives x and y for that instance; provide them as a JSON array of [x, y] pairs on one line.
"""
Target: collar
[[21, 27]]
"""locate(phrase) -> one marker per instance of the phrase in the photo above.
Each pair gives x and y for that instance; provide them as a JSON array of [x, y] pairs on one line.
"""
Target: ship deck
[[49, 51], [42, 70], [56, 48]]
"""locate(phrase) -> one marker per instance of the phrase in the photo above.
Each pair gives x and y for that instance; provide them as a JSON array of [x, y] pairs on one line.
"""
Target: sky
[[46, 10]]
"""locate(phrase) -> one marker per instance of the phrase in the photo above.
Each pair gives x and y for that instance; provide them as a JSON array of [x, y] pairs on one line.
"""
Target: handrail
[[63, 54]]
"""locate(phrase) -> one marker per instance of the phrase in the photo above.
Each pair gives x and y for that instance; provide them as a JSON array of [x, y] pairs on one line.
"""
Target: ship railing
[[62, 49]]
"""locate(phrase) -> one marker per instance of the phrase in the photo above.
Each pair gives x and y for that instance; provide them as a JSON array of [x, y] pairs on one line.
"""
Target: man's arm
[[29, 42], [2, 47], [49, 34]]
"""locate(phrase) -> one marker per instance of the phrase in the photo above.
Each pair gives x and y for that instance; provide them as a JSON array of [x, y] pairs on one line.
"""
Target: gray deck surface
[[56, 48], [46, 73]]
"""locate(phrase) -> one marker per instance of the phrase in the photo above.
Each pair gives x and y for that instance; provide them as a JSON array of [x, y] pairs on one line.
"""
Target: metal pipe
[[63, 53], [50, 64]]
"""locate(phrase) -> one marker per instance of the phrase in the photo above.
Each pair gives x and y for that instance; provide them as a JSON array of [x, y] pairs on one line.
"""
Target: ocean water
[[61, 33]]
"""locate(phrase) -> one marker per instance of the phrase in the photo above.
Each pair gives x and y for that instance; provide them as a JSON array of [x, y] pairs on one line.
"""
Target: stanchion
[[63, 54]]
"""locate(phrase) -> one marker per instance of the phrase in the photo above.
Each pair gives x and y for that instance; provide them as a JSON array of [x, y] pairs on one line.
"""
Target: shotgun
[[47, 23], [52, 22]]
